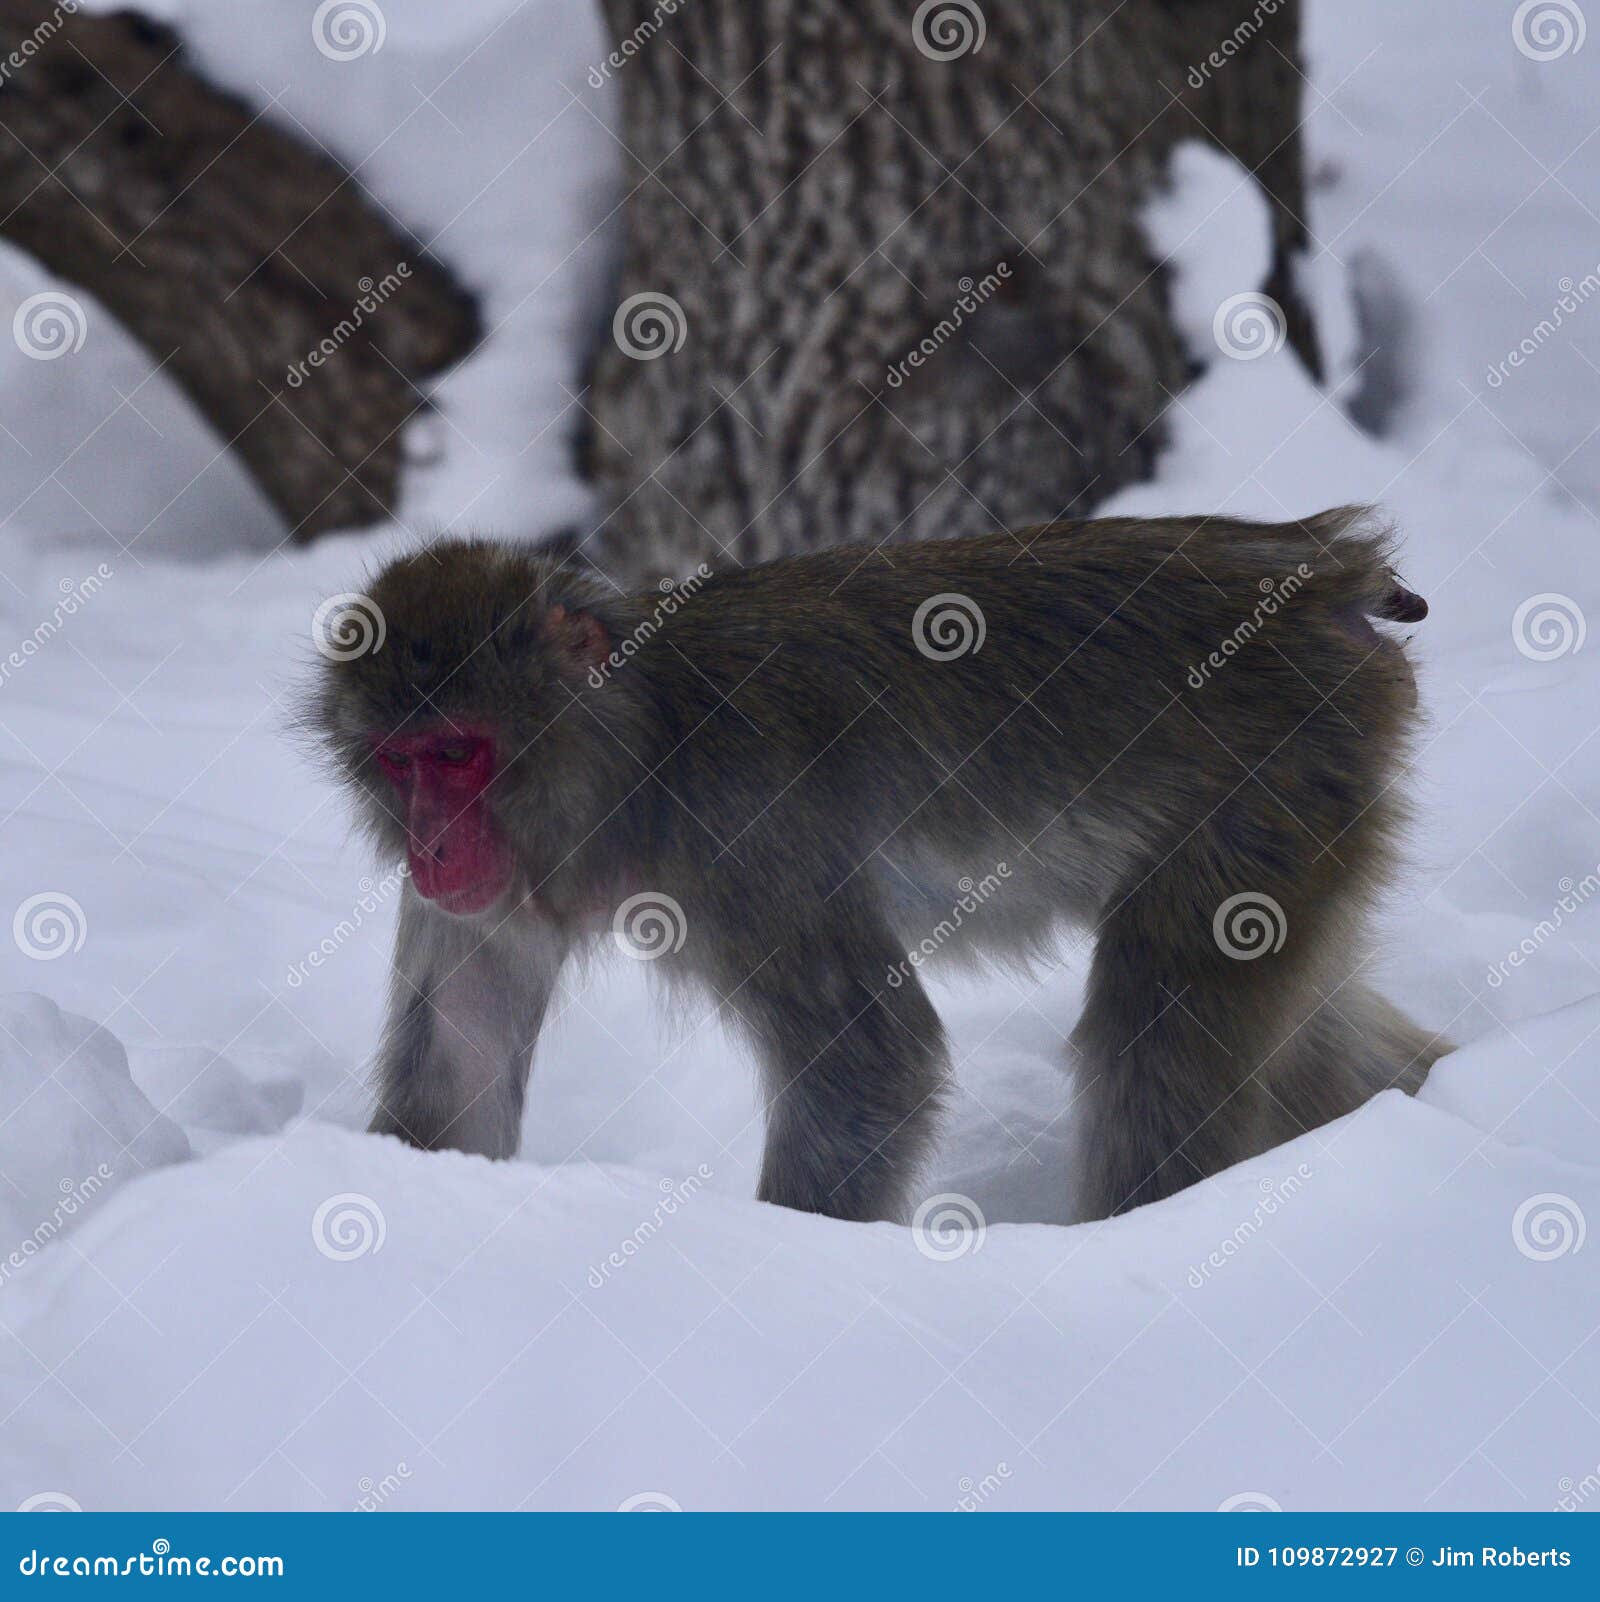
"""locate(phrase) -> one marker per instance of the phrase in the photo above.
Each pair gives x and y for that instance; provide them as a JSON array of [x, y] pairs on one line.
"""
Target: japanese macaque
[[1183, 734]]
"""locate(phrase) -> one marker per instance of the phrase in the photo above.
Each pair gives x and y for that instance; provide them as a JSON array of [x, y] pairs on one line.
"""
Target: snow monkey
[[1182, 734]]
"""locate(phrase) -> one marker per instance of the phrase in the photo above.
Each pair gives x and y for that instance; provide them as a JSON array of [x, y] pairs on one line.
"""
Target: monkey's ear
[[580, 639]]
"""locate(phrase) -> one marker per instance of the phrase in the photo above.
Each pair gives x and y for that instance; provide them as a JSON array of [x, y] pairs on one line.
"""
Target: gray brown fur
[[780, 758]]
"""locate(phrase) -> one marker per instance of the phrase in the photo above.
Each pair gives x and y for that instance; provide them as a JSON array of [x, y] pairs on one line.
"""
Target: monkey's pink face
[[459, 856]]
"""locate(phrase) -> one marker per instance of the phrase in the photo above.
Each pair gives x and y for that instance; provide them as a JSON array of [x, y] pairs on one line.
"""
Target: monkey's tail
[[1350, 552], [1349, 577]]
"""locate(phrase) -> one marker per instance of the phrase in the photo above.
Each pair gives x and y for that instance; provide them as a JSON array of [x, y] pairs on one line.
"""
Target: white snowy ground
[[228, 1297]]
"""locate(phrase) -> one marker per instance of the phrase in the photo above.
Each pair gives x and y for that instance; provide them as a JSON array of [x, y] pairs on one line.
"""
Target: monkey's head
[[450, 702]]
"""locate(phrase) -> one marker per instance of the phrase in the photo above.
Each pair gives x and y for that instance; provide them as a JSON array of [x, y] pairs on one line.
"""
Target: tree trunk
[[299, 319], [883, 272]]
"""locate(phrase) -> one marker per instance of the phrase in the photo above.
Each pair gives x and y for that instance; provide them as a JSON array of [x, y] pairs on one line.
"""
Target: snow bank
[[209, 1096], [74, 1123], [1350, 1321]]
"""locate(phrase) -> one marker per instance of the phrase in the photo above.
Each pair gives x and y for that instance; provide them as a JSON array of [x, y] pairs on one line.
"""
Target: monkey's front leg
[[467, 997], [853, 1070]]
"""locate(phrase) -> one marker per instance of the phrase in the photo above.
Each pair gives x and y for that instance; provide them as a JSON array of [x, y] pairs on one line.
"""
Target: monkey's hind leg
[[1177, 1038], [1197, 1052]]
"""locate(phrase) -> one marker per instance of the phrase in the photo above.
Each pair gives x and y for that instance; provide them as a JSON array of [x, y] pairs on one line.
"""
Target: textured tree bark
[[883, 272], [298, 317]]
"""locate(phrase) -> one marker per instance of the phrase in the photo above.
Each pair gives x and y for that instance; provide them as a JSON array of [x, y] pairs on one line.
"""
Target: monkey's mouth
[[462, 882]]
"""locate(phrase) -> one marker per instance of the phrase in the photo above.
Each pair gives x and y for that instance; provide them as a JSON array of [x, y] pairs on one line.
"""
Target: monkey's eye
[[393, 761], [455, 754]]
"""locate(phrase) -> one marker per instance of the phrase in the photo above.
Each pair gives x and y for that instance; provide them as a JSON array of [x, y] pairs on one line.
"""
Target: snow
[[1468, 166], [260, 1306], [744, 1358], [1206, 194], [75, 1122]]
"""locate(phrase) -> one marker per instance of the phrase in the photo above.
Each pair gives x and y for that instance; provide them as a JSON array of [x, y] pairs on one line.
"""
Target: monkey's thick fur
[[1152, 719]]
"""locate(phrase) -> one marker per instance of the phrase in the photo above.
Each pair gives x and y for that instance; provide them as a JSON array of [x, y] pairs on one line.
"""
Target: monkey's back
[[1074, 698]]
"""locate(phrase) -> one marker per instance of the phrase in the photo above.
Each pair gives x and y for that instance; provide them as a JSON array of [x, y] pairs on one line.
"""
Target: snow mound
[[203, 1091], [74, 1123], [1548, 1103], [1211, 227], [293, 1321]]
